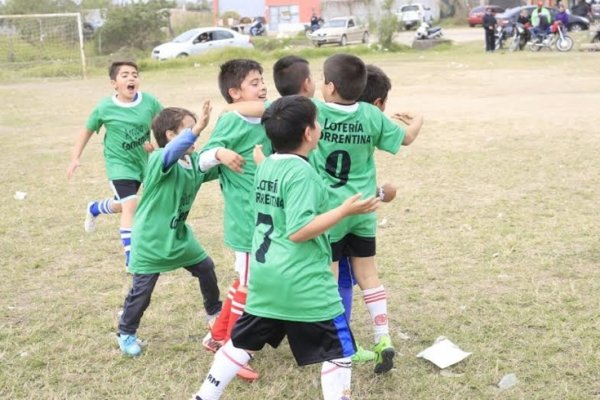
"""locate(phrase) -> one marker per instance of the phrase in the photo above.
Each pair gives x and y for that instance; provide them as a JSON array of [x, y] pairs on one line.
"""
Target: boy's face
[[315, 135], [187, 123], [126, 83], [310, 87], [252, 88]]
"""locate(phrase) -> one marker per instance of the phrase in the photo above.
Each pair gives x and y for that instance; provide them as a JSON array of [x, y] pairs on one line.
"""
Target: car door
[[200, 43], [352, 29], [222, 38]]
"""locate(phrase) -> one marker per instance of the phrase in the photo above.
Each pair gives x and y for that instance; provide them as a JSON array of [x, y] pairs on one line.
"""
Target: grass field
[[492, 242]]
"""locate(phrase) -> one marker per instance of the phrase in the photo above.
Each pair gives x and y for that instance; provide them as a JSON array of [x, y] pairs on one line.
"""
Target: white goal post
[[29, 41]]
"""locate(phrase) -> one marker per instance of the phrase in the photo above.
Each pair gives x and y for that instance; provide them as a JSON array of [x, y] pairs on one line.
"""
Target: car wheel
[[472, 25], [365, 38], [182, 55], [576, 27], [344, 40]]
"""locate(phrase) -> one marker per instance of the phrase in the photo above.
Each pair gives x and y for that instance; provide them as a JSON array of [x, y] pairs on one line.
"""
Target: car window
[[410, 8], [350, 23], [185, 36], [221, 35], [335, 23]]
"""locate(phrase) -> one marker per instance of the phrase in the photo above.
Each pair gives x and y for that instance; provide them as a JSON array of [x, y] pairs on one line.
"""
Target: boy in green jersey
[[126, 117], [292, 292], [162, 241], [240, 80], [291, 75], [345, 161]]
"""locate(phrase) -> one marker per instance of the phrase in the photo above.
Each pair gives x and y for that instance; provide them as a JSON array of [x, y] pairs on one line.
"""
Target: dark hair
[[289, 73], [114, 68], [348, 73], [169, 119], [378, 85], [233, 73], [286, 119]]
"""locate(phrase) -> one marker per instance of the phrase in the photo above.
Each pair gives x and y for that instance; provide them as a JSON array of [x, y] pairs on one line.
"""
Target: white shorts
[[242, 267]]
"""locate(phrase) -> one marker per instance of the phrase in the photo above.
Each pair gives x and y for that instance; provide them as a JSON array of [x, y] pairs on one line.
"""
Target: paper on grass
[[443, 353]]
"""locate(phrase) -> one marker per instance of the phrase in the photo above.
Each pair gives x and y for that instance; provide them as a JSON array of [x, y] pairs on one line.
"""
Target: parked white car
[[410, 15], [340, 30], [200, 40]]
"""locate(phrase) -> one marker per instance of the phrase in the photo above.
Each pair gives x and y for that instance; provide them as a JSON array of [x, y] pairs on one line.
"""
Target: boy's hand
[[230, 159], [73, 165], [258, 154], [407, 118], [148, 147], [203, 118], [353, 205], [389, 192]]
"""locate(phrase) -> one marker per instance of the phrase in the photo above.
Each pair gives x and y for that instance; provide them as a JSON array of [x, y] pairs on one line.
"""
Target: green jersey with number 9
[[290, 281], [345, 159]]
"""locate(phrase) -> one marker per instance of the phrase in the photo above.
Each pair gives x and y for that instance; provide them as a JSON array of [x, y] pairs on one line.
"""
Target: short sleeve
[[391, 135], [222, 136], [94, 122]]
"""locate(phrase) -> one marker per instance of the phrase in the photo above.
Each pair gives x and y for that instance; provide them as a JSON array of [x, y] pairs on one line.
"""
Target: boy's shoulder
[[234, 118]]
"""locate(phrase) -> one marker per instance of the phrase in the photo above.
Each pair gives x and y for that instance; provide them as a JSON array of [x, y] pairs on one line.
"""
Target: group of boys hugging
[[298, 182]]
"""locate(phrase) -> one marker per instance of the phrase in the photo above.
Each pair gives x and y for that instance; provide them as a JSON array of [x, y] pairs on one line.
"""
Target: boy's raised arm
[[82, 139], [414, 123], [322, 222], [247, 108]]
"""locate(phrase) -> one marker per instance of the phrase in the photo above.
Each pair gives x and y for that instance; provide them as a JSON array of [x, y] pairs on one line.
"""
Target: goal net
[[52, 42]]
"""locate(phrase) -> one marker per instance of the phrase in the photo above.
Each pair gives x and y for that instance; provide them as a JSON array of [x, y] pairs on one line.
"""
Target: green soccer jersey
[[290, 281], [345, 159], [127, 127], [160, 239], [240, 134]]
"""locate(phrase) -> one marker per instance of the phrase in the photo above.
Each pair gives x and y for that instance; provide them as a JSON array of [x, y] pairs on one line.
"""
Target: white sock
[[336, 377], [228, 361], [376, 302]]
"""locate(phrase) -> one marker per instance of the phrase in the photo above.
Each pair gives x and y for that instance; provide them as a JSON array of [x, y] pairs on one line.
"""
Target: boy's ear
[[170, 135], [330, 88], [234, 93], [113, 84], [307, 137], [379, 103]]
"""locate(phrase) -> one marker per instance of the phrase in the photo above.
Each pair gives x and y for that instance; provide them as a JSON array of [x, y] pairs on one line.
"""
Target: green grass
[[492, 241]]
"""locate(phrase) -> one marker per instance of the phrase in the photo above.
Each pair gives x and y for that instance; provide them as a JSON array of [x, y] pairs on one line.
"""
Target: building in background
[[276, 12]]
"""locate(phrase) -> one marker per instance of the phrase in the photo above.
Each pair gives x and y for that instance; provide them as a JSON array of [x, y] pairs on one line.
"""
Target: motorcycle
[[520, 37], [426, 31], [596, 38], [257, 28], [556, 38], [502, 34]]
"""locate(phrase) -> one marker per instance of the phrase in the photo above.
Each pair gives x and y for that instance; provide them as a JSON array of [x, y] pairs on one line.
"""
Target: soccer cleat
[[129, 344], [211, 344], [362, 355], [89, 224], [247, 373], [384, 355]]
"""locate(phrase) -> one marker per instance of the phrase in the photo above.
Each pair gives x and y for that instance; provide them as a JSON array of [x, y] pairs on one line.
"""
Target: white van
[[410, 15]]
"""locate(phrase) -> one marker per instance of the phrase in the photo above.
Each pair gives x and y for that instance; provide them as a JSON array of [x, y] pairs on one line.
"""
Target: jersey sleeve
[[224, 133], [94, 122], [391, 135], [302, 201]]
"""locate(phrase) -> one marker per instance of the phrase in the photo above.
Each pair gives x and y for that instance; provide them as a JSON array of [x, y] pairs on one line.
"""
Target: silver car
[[341, 30], [200, 40]]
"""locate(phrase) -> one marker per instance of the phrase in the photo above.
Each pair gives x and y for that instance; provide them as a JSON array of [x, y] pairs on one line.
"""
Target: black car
[[510, 16]]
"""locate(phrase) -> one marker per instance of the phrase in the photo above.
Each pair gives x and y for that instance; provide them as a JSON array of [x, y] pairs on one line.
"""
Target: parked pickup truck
[[410, 15], [340, 30]]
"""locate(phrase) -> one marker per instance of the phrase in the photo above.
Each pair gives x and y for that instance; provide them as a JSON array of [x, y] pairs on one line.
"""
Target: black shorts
[[125, 189], [310, 342], [352, 245]]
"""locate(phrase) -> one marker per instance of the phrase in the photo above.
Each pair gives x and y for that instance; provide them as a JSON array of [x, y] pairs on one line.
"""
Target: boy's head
[[345, 75], [169, 122], [292, 76], [125, 79], [290, 122], [377, 88], [241, 80]]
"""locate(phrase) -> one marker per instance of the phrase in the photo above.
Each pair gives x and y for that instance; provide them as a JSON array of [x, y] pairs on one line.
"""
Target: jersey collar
[[138, 100]]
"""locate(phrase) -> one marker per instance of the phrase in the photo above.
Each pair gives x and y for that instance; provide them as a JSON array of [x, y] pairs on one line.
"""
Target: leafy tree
[[138, 26], [387, 24]]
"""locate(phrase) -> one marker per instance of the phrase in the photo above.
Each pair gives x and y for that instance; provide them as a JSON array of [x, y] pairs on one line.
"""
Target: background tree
[[387, 25], [140, 26]]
